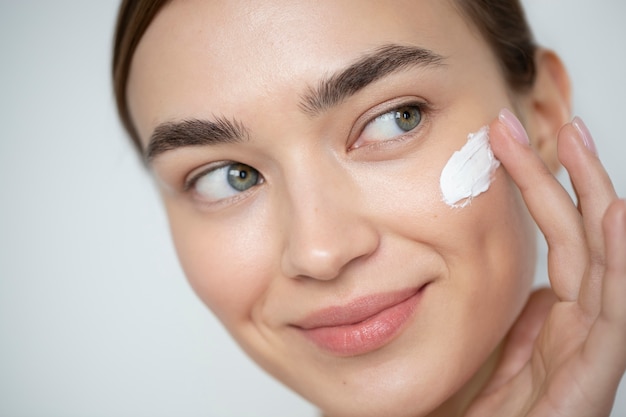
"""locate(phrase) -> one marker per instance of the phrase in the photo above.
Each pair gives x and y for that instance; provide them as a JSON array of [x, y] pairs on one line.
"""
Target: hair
[[133, 19], [502, 23]]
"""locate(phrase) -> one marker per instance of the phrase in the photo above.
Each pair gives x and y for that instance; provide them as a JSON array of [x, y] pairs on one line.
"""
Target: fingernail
[[514, 126], [585, 135]]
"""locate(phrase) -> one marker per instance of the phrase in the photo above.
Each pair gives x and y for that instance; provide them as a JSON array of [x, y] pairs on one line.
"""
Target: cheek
[[488, 248], [498, 235], [491, 263], [490, 242], [225, 262]]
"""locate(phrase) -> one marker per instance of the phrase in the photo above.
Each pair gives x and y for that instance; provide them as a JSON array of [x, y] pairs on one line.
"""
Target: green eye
[[391, 125], [241, 176], [408, 118], [225, 181]]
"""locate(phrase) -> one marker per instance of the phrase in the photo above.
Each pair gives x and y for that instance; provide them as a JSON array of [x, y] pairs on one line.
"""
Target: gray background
[[96, 318]]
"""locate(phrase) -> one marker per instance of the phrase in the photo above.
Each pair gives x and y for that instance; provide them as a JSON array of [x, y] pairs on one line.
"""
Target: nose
[[326, 228]]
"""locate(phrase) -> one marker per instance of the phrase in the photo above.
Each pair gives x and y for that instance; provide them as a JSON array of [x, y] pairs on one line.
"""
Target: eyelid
[[190, 183], [198, 173], [384, 108]]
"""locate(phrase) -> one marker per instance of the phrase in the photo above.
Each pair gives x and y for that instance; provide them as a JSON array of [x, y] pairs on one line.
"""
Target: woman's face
[[309, 218]]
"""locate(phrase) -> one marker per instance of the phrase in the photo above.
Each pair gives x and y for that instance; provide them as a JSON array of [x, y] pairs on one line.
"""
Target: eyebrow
[[193, 132], [329, 92], [383, 61]]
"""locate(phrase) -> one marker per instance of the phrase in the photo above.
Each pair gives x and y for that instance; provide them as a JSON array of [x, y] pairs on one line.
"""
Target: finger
[[595, 192], [607, 337], [548, 203]]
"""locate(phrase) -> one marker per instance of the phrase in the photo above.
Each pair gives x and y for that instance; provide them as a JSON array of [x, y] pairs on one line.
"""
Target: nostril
[[323, 256], [315, 263], [323, 226]]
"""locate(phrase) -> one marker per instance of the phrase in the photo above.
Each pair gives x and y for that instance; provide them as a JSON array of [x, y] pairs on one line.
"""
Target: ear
[[547, 106]]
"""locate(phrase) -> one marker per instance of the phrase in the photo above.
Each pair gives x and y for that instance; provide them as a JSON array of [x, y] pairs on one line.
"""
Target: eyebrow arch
[[193, 132], [383, 61]]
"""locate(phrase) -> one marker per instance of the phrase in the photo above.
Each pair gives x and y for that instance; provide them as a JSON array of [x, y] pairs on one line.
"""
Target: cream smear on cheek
[[469, 171]]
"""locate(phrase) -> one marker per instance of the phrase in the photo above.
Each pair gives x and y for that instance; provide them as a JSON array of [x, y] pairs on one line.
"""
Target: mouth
[[363, 325]]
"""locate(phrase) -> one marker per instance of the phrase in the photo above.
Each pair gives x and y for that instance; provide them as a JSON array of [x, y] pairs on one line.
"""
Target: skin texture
[[341, 214]]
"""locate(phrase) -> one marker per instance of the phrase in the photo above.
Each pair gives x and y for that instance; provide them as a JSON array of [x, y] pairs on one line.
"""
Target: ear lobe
[[548, 106]]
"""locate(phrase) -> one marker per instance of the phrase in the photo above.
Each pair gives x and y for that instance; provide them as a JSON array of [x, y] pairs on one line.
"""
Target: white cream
[[469, 171]]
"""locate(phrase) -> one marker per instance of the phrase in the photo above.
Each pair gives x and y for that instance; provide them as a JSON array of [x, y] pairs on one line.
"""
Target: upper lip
[[357, 310]]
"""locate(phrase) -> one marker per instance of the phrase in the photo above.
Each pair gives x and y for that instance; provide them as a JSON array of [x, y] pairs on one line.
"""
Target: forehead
[[235, 50]]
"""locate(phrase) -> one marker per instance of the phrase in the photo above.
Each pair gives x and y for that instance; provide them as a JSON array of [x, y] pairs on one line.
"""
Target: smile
[[363, 325]]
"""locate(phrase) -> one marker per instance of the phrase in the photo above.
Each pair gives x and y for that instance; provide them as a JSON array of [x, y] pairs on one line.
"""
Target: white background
[[96, 318]]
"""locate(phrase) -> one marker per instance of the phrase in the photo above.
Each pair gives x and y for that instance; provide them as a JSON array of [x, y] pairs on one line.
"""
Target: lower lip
[[367, 335]]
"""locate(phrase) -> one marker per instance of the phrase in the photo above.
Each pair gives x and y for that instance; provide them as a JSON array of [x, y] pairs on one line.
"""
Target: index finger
[[548, 203]]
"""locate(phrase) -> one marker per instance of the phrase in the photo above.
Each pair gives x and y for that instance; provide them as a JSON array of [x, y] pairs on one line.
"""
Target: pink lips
[[363, 325]]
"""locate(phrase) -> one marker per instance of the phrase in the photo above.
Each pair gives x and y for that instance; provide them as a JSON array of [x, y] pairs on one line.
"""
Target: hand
[[566, 354]]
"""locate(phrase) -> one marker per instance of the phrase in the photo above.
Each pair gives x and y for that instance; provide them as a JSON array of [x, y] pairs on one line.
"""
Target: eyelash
[[371, 116], [191, 181], [190, 184]]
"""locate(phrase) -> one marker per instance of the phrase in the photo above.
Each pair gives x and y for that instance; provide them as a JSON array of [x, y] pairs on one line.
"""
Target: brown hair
[[501, 22], [133, 19], [504, 26]]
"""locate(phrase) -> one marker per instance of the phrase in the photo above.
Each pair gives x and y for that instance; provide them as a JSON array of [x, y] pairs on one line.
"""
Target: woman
[[301, 151]]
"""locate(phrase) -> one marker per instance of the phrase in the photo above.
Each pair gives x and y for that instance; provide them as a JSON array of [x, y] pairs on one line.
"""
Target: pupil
[[408, 118], [242, 176]]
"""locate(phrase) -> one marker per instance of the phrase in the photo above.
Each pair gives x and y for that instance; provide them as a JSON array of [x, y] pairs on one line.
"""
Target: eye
[[223, 182], [390, 125]]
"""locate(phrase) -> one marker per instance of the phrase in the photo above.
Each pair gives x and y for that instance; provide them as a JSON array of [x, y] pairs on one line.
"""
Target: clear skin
[[343, 211]]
